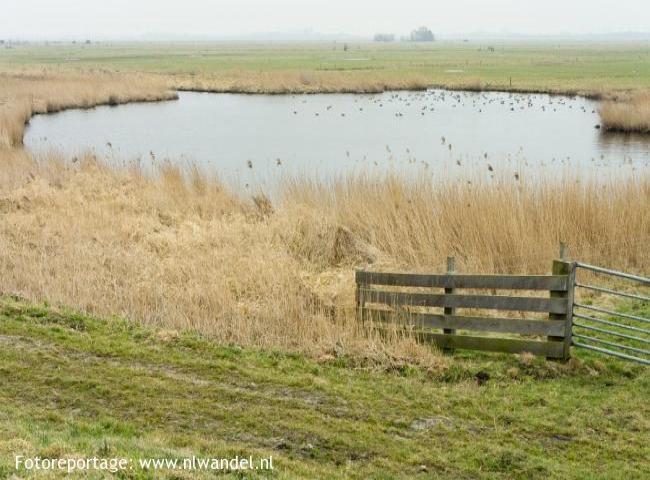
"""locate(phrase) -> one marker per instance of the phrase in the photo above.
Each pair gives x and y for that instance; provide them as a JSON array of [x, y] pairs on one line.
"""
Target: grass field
[[78, 386], [588, 68]]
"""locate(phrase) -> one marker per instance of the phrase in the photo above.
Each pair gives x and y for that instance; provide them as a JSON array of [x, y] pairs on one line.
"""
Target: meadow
[[594, 69]]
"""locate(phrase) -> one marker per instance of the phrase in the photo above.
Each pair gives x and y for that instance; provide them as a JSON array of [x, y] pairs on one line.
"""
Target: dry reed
[[23, 95], [279, 82], [178, 250], [631, 115]]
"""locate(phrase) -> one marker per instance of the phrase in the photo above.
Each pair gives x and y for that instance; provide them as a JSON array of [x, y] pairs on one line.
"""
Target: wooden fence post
[[359, 297], [563, 267], [568, 327], [451, 269]]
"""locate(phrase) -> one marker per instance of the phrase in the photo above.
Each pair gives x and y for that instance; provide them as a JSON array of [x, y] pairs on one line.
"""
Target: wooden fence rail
[[408, 299]]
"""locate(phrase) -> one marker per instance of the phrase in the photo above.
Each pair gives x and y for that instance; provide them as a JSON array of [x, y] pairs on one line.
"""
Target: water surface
[[255, 139]]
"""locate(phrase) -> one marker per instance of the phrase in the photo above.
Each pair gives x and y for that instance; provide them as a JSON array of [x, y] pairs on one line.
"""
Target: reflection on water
[[618, 142], [254, 139]]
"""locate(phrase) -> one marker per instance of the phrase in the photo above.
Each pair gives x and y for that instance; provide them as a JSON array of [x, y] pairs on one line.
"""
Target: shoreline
[[588, 95], [173, 88]]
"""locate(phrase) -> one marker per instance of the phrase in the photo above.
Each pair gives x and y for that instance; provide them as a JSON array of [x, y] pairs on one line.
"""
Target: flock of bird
[[401, 104], [426, 102]]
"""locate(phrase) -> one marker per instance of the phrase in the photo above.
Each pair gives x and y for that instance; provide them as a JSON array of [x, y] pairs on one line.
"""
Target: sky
[[129, 19]]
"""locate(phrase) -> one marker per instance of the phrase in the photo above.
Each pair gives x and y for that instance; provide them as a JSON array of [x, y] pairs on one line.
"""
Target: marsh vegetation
[[630, 115], [177, 248], [23, 95]]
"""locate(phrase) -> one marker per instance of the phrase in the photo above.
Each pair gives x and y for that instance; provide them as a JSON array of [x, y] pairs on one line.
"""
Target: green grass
[[559, 66], [71, 385]]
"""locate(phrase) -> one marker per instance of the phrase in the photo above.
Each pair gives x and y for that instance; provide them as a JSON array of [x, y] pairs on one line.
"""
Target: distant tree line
[[384, 37], [422, 34]]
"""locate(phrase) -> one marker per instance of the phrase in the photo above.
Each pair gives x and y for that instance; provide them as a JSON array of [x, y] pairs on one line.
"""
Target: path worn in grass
[[77, 386]]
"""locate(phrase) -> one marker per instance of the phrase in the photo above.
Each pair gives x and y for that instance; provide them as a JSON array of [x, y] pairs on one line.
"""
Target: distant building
[[384, 37], [422, 34]]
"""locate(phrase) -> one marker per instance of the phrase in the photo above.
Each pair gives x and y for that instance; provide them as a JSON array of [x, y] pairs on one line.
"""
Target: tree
[[384, 37], [422, 34]]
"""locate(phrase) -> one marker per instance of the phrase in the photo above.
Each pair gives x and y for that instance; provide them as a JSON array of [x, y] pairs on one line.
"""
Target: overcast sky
[[131, 18]]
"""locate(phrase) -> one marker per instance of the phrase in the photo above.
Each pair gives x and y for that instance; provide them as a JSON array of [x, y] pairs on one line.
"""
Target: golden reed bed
[[23, 95], [631, 115], [178, 250]]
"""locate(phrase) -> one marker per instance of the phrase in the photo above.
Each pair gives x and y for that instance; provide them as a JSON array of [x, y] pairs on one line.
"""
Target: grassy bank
[[76, 386]]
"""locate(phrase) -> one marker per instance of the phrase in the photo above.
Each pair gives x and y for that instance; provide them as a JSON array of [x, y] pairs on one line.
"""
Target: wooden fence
[[408, 298]]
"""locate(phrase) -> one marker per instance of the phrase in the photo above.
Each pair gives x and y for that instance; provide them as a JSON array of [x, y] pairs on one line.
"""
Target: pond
[[257, 139]]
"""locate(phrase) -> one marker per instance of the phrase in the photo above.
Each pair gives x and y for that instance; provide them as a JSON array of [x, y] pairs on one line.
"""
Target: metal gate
[[603, 330]]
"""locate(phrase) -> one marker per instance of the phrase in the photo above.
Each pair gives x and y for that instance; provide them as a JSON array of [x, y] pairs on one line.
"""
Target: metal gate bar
[[613, 292], [586, 341], [610, 312], [629, 276], [609, 344], [611, 324], [609, 332], [613, 353]]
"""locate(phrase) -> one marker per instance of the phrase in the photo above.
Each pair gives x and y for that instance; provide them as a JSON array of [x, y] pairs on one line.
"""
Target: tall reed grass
[[23, 95], [179, 250], [499, 226], [310, 81], [631, 115]]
